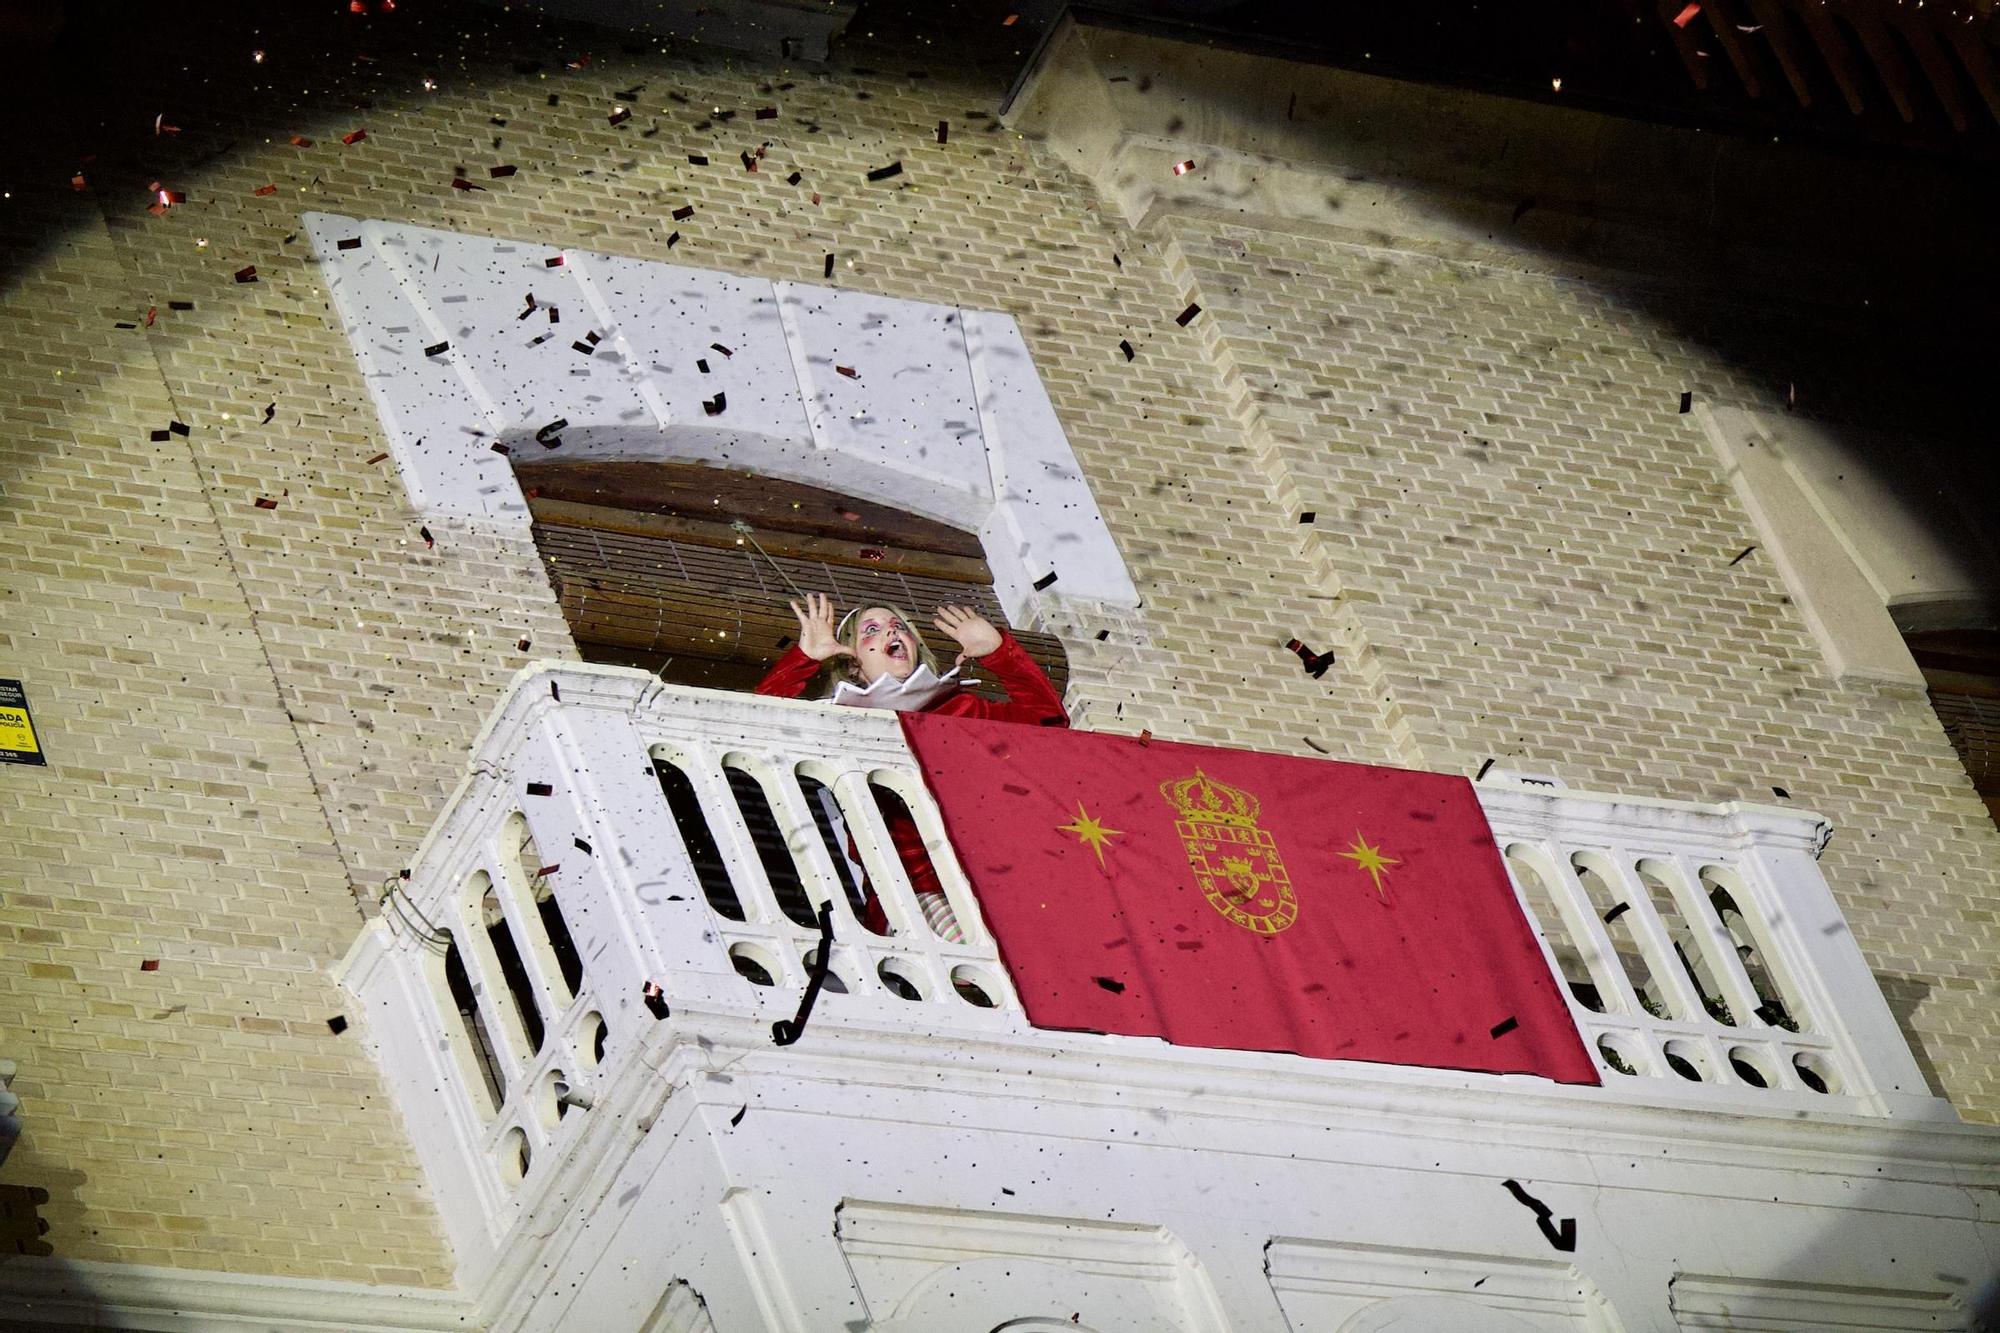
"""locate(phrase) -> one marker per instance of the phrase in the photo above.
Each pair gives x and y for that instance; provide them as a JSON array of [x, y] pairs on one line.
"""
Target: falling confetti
[[1315, 663]]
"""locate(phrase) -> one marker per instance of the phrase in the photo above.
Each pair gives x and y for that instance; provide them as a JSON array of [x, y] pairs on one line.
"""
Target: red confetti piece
[[522, 643], [849, 371], [620, 116], [265, 502], [430, 542], [263, 190], [546, 871], [556, 262], [78, 183], [497, 173], [152, 312], [300, 141], [160, 125], [871, 553], [1010, 20], [849, 515], [460, 183], [149, 965], [1687, 15], [248, 273], [378, 458], [356, 137], [1146, 737], [1183, 167]]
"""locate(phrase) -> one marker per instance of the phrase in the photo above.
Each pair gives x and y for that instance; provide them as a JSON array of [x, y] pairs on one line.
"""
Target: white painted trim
[[914, 429], [1841, 605], [90, 1294]]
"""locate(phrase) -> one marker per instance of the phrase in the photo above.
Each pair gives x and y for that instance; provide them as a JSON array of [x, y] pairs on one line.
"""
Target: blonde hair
[[849, 668]]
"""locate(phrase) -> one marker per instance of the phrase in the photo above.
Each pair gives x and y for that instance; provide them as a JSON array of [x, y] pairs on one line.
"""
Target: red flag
[[1252, 901]]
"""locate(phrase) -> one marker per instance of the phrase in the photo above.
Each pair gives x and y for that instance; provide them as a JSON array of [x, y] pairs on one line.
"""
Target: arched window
[[685, 570]]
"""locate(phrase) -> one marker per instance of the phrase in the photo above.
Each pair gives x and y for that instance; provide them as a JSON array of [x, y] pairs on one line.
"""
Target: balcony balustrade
[[614, 833]]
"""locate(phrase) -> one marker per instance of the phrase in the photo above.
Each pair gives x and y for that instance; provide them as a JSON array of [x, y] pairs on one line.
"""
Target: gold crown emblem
[[1202, 799]]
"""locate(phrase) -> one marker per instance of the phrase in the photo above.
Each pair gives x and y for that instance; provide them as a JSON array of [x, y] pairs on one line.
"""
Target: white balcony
[[613, 832]]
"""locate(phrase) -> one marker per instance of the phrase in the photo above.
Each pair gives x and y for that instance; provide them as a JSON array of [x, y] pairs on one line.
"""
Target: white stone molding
[[1748, 1305], [1843, 606], [1375, 1289], [943, 413], [924, 1268]]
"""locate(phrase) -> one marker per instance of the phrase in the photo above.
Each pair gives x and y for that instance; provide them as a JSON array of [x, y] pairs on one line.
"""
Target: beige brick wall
[[202, 1114], [1532, 545], [254, 712]]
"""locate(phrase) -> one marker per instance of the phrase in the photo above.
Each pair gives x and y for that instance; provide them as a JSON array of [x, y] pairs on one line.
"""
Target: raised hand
[[974, 633], [816, 634]]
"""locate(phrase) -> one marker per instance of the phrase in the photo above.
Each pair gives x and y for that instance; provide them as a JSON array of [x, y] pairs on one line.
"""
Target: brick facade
[[253, 713]]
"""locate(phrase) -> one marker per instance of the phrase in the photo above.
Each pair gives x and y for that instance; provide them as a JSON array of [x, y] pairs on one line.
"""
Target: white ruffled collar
[[923, 688]]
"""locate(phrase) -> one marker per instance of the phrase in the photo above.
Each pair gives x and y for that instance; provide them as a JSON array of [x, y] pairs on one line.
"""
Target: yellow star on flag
[[1371, 860], [1091, 833]]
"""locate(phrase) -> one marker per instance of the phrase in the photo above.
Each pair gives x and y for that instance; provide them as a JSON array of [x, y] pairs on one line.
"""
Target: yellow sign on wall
[[18, 742]]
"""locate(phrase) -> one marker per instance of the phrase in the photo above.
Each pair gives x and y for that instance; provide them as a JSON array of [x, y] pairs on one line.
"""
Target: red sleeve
[[789, 675], [1030, 696]]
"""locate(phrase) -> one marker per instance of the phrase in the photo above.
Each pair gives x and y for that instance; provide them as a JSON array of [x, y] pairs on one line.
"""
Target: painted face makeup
[[884, 646]]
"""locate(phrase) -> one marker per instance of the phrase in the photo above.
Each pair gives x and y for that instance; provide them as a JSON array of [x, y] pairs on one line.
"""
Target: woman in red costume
[[880, 661]]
